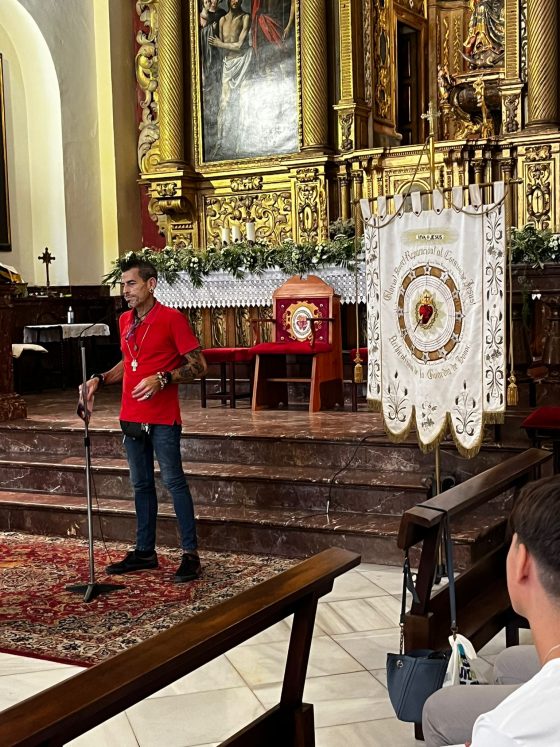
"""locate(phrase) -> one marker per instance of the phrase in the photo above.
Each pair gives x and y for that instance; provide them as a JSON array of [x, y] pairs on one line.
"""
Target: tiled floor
[[356, 627]]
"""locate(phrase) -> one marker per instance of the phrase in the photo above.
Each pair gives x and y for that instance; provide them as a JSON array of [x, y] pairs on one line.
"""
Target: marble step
[[222, 484], [300, 448], [291, 533]]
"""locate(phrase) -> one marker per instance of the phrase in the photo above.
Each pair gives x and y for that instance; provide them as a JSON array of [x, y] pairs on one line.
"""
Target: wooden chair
[[227, 359], [306, 331]]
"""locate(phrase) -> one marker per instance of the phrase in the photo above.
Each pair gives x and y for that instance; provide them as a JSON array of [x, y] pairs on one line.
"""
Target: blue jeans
[[165, 441]]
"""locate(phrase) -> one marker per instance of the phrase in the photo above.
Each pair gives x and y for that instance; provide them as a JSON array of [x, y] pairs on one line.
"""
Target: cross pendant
[[134, 364]]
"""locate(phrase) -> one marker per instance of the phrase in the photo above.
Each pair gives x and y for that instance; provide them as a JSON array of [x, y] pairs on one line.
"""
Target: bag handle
[[408, 582], [446, 532]]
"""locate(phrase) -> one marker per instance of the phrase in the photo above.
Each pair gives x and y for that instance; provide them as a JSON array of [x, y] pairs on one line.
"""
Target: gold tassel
[[512, 391], [358, 370]]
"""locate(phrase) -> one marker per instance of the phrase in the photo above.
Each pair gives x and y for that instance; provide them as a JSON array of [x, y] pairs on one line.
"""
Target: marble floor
[[357, 624]]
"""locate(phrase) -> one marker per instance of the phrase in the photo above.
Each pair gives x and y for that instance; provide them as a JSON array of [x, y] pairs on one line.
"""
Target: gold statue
[[487, 126]]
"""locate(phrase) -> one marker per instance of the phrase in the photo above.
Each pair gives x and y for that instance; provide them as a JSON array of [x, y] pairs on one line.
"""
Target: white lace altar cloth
[[220, 289], [51, 332]]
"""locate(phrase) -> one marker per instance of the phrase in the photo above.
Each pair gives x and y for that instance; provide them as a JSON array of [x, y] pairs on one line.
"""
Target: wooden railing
[[61, 713], [483, 605]]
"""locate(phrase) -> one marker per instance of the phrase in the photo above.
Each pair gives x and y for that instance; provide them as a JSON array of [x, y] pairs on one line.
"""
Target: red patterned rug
[[40, 618]]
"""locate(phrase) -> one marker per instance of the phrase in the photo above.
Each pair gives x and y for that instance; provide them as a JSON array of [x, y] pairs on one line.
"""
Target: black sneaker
[[133, 562], [189, 569]]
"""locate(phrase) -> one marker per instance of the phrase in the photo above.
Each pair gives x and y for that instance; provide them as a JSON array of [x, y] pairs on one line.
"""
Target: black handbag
[[136, 430], [413, 676]]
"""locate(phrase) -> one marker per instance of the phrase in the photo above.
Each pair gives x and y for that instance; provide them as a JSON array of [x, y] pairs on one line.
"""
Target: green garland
[[534, 247], [242, 258]]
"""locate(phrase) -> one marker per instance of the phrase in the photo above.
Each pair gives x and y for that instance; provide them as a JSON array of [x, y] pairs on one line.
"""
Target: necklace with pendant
[[137, 348], [132, 331]]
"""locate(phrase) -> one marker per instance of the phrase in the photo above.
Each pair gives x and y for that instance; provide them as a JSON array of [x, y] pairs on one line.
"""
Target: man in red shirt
[[159, 352]]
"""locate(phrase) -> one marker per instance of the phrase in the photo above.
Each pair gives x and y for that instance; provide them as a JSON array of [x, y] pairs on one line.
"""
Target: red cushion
[[363, 354], [543, 417], [228, 355], [291, 348]]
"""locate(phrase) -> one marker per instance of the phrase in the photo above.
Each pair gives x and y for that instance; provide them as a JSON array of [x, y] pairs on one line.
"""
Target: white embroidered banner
[[436, 318]]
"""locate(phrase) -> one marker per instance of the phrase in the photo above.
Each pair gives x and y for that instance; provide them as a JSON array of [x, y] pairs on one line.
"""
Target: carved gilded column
[[170, 59], [352, 111], [479, 165], [344, 182], [543, 59], [357, 177], [507, 166], [314, 84]]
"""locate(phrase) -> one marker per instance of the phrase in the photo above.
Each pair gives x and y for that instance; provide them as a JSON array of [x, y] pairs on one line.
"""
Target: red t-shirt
[[159, 343]]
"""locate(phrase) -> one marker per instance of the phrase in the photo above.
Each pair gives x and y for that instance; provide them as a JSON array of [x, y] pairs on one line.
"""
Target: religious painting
[[247, 78], [5, 245]]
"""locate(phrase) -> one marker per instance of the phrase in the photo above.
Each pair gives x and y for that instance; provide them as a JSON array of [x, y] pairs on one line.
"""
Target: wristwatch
[[101, 377]]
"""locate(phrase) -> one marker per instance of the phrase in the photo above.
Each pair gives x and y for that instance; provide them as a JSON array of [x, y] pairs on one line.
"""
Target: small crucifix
[[431, 115], [46, 258]]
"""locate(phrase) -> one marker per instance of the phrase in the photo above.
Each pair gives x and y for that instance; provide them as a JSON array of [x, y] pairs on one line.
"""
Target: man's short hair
[[535, 518], [146, 270]]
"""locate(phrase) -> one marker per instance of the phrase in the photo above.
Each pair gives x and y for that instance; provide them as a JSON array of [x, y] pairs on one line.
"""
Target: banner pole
[[431, 115]]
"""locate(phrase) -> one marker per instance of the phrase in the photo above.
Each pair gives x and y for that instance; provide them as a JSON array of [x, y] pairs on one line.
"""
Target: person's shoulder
[[169, 312], [535, 696], [170, 316]]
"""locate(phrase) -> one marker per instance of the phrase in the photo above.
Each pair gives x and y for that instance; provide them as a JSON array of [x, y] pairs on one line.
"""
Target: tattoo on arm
[[193, 368]]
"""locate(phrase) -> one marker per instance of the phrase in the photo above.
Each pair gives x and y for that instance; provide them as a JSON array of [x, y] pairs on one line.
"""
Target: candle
[[235, 233], [225, 236], [250, 228]]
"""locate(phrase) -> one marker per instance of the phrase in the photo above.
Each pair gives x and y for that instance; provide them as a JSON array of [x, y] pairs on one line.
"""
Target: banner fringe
[[488, 418]]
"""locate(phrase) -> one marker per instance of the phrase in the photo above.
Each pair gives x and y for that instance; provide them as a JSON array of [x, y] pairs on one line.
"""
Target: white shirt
[[529, 717]]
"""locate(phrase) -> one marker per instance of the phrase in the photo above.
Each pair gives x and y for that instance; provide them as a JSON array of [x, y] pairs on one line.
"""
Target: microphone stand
[[92, 589]]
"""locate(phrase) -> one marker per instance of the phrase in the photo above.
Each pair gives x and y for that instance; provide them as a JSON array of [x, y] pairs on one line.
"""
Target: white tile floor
[[357, 624]]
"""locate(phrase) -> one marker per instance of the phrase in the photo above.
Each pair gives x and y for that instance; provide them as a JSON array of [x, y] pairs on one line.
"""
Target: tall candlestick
[[235, 233], [250, 228], [225, 236]]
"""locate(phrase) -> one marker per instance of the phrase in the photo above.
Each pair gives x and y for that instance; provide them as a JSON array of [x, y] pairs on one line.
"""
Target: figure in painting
[[233, 38], [210, 60], [248, 73], [269, 23], [485, 41], [209, 19]]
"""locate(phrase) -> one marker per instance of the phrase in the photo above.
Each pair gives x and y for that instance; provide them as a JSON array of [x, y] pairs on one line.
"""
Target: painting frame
[[5, 232], [194, 60]]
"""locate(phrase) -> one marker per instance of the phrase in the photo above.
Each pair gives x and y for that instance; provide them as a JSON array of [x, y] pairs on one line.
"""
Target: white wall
[[72, 135], [34, 147]]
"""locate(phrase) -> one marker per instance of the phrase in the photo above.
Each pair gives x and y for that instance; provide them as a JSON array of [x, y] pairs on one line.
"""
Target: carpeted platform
[[40, 618]]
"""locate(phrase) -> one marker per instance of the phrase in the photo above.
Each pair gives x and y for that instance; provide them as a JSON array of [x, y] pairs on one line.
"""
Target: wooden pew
[[61, 713], [483, 604]]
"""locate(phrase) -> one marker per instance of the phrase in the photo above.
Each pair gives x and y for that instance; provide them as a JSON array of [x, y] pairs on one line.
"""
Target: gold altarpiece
[[366, 70]]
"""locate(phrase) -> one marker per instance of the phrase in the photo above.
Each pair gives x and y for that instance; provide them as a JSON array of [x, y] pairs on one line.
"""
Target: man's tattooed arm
[[193, 368]]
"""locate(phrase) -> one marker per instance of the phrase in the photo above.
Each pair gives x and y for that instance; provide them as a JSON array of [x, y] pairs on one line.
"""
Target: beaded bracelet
[[164, 378]]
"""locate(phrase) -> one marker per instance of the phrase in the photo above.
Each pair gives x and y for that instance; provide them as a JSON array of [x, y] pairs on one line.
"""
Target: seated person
[[449, 714], [523, 714]]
